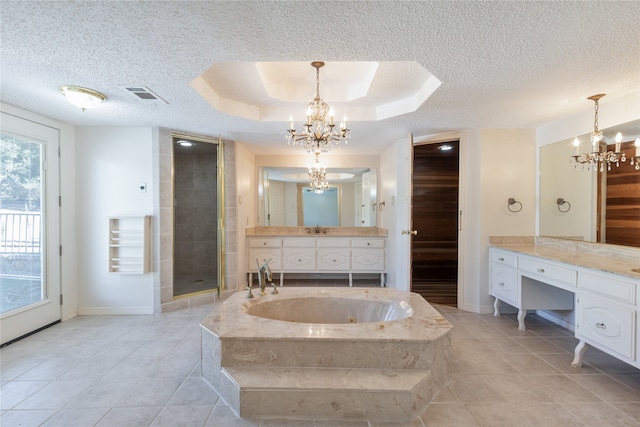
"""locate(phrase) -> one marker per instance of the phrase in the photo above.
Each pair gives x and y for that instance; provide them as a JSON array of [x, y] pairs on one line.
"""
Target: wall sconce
[[513, 202], [82, 97], [560, 201]]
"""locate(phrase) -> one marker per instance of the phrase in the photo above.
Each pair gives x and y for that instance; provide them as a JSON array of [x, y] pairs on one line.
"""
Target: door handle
[[413, 232]]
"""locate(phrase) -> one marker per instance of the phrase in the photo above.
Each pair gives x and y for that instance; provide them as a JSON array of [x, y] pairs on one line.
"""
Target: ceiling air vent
[[144, 93]]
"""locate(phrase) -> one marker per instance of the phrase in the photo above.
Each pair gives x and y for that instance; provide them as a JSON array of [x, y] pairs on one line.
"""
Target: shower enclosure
[[196, 193]]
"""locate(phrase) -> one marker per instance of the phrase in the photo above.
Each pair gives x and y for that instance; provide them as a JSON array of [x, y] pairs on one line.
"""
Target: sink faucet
[[264, 275]]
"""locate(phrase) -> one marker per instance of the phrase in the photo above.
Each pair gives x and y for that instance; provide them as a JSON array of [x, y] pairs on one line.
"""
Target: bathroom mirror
[[570, 203], [285, 199]]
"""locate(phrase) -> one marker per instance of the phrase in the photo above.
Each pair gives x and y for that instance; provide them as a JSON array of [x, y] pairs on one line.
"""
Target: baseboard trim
[[114, 311]]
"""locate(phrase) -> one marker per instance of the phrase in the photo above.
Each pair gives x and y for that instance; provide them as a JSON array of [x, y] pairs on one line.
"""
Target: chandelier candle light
[[319, 134], [318, 177], [595, 157]]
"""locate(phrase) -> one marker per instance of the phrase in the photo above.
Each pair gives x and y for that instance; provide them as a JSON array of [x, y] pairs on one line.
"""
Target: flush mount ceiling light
[[83, 97], [319, 134], [185, 143]]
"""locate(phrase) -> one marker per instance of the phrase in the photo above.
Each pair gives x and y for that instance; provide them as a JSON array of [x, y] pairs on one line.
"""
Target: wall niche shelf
[[129, 245]]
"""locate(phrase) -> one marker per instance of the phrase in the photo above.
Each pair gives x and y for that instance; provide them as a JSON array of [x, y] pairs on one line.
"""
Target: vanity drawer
[[265, 243], [299, 259], [333, 259], [606, 325], [367, 243], [609, 288], [264, 255], [332, 242], [548, 273], [505, 258], [299, 242], [367, 259], [504, 285]]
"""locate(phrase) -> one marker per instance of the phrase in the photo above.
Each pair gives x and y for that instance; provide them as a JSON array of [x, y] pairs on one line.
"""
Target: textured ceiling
[[501, 64]]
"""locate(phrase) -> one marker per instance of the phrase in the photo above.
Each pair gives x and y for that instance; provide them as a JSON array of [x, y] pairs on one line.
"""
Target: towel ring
[[512, 202], [560, 201]]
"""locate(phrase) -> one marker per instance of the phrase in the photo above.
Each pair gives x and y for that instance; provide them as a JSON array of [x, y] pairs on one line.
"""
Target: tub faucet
[[264, 274]]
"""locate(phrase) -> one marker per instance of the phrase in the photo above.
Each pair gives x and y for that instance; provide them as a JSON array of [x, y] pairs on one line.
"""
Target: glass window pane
[[21, 192]]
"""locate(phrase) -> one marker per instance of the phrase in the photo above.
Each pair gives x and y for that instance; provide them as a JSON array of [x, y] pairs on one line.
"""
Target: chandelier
[[596, 159], [320, 133], [318, 177]]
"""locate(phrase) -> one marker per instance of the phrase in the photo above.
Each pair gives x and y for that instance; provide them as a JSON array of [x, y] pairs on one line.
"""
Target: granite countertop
[[262, 231], [614, 259]]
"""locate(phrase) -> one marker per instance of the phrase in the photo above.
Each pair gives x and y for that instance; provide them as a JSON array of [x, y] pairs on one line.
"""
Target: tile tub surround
[[615, 259], [382, 371], [309, 231]]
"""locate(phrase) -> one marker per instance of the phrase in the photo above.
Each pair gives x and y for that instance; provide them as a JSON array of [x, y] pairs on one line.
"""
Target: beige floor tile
[[562, 388], [474, 388], [447, 414], [518, 388], [529, 364], [607, 388], [598, 414]]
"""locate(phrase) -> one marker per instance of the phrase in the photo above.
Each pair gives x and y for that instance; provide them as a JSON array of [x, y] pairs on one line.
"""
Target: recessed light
[[445, 147], [185, 143]]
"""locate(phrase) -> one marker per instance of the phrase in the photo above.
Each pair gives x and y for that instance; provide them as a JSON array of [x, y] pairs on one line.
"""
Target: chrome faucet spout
[[264, 275]]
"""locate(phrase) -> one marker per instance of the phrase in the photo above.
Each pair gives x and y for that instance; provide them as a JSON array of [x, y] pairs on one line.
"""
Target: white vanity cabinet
[[333, 254], [299, 254], [367, 255], [263, 250], [606, 316], [318, 254], [605, 304], [504, 278]]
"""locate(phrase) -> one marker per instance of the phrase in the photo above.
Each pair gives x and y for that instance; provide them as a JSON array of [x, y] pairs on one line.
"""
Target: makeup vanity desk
[[598, 281]]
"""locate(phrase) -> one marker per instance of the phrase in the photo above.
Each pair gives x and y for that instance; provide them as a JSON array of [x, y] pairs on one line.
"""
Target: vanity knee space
[[605, 304]]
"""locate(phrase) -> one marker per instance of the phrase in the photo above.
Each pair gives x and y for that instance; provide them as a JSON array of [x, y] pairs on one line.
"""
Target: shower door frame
[[221, 217]]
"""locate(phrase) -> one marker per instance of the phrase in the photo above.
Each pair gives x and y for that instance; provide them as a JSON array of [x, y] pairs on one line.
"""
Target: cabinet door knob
[[500, 259], [541, 270], [501, 284], [601, 326]]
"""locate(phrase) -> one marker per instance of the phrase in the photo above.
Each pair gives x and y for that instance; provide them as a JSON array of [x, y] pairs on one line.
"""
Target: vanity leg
[[250, 279], [350, 280], [496, 307], [579, 352], [281, 278], [521, 315], [382, 280]]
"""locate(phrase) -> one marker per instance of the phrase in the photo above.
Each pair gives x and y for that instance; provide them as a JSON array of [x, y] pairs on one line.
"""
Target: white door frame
[[27, 319], [462, 147]]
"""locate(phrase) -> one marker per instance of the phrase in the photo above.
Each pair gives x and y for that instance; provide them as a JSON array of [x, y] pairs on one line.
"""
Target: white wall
[[508, 169], [110, 165]]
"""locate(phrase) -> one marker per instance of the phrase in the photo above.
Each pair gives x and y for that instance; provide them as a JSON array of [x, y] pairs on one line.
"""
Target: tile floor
[[143, 370]]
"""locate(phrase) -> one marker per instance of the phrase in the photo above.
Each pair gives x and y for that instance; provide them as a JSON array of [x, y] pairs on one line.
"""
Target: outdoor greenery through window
[[20, 222]]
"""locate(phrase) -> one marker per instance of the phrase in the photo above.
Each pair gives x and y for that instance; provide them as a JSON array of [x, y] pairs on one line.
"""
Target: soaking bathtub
[[375, 354]]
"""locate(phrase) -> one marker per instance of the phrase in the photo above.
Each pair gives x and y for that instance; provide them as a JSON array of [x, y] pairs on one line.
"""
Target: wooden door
[[622, 212], [435, 218]]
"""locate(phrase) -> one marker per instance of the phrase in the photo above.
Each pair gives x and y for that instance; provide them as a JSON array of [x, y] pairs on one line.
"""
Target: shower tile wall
[[195, 222]]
